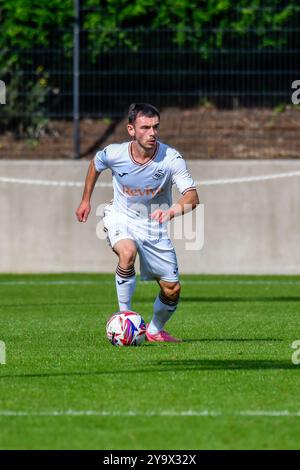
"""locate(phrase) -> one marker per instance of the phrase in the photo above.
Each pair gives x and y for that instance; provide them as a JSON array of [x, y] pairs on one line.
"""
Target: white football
[[126, 329]]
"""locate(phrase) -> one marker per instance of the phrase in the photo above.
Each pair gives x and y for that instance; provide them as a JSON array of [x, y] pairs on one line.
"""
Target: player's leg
[[164, 307], [159, 261], [126, 251], [122, 243]]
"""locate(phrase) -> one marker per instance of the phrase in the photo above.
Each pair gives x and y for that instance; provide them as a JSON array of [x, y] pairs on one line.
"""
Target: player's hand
[[83, 211], [162, 216]]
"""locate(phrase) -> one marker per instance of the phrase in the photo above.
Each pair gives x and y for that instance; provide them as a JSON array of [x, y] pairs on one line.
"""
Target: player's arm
[[185, 185], [186, 203], [84, 208]]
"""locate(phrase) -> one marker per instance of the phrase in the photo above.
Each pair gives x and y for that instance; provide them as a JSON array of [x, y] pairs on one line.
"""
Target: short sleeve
[[181, 176], [101, 160]]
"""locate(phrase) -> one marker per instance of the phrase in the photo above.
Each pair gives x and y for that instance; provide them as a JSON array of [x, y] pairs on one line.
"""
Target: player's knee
[[127, 257], [176, 291], [172, 292]]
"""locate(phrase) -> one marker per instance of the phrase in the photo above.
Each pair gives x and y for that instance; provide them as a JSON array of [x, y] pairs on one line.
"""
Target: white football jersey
[[139, 188]]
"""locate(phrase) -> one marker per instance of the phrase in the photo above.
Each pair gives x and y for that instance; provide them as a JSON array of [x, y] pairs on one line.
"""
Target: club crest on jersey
[[159, 174], [151, 192]]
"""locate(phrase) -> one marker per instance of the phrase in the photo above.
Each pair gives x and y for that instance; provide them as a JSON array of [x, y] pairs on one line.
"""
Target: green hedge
[[200, 25], [28, 23]]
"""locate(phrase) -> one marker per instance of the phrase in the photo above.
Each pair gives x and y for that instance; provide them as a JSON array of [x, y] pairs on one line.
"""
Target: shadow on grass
[[172, 365], [150, 300], [54, 304], [237, 340], [240, 299], [225, 364]]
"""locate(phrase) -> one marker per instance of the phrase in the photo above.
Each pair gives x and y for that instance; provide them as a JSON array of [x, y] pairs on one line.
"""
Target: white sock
[[125, 285], [163, 310]]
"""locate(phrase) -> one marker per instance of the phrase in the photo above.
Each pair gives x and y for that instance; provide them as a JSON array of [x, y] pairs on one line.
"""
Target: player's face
[[145, 131]]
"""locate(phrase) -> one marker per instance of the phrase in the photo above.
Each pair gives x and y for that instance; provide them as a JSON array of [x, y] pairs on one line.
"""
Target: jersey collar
[[146, 163]]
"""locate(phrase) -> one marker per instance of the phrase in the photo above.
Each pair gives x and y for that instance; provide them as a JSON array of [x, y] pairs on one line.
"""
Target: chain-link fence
[[148, 65]]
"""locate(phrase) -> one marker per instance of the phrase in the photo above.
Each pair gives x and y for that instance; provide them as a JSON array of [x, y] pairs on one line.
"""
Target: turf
[[235, 360]]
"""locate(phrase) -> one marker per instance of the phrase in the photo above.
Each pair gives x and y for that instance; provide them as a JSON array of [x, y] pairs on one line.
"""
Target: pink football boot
[[161, 337]]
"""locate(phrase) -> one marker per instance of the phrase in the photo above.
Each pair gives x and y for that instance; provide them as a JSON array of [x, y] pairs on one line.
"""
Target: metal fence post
[[76, 72]]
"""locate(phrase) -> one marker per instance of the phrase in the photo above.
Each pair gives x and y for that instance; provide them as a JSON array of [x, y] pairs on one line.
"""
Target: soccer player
[[143, 172]]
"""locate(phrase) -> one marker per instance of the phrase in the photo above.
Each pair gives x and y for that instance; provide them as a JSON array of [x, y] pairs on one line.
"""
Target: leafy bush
[[26, 24], [202, 25]]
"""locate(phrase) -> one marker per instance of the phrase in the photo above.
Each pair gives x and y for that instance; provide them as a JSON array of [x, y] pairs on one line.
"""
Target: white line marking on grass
[[184, 281], [242, 282], [53, 283], [163, 413], [270, 413]]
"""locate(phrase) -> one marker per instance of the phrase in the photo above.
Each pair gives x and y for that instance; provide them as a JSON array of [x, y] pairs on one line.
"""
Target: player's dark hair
[[141, 108]]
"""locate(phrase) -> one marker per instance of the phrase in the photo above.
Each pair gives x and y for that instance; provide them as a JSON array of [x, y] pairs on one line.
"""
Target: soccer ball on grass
[[126, 329]]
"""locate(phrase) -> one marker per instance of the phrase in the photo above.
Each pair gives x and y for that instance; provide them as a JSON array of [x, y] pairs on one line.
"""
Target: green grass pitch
[[230, 385]]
